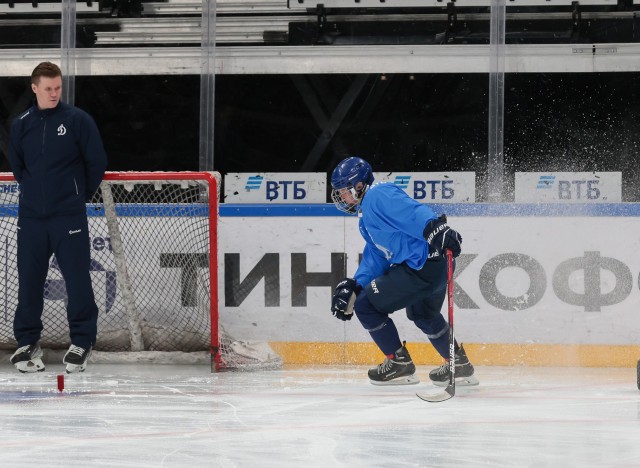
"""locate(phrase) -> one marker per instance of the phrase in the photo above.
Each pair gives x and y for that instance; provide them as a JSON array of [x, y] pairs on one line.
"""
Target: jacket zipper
[[44, 133]]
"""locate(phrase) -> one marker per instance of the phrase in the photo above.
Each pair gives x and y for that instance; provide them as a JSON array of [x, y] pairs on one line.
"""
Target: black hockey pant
[[421, 292]]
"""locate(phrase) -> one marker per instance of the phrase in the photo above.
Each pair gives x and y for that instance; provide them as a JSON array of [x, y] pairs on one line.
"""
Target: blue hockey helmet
[[350, 180]]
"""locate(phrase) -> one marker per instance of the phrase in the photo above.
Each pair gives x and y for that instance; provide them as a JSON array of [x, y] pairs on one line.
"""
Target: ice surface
[[148, 415]]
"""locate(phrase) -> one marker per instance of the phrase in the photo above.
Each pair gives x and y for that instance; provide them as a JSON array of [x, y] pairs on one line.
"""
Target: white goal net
[[153, 241]]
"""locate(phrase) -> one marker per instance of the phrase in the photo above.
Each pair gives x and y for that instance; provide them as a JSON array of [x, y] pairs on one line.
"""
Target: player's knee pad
[[370, 317], [434, 327]]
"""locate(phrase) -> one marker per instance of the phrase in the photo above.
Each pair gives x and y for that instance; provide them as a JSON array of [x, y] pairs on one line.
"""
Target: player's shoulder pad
[[381, 193], [376, 190], [384, 186]]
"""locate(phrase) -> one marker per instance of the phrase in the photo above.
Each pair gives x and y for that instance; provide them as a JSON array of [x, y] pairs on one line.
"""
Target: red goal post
[[154, 268]]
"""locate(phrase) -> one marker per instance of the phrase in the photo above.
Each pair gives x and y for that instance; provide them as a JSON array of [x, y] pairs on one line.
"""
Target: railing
[[303, 22]]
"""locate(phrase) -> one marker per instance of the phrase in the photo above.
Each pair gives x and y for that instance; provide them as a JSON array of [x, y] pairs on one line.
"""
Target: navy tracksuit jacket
[[58, 158]]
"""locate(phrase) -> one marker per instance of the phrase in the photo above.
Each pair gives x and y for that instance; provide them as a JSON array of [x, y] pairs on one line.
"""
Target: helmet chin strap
[[359, 194]]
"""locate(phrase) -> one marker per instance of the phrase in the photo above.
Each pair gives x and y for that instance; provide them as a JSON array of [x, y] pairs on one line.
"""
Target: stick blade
[[448, 393]]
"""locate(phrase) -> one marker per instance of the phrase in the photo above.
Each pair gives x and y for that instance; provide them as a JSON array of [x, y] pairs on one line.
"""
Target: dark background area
[[402, 122]]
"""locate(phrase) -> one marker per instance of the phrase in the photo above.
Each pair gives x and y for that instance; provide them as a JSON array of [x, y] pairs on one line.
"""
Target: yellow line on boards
[[492, 354]]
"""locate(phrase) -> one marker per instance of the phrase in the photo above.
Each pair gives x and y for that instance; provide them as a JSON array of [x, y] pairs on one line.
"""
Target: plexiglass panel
[[299, 85]]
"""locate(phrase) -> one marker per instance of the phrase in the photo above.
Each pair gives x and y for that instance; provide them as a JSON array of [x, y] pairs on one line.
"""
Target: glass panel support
[[207, 84], [68, 51], [495, 160]]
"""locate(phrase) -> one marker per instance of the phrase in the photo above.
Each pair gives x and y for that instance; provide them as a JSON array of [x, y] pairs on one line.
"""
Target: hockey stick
[[450, 391]]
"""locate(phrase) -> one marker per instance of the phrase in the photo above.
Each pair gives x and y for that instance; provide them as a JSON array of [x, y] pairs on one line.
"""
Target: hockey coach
[[57, 156]]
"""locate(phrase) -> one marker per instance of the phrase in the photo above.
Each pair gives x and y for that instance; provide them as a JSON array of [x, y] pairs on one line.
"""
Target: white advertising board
[[434, 187], [519, 280], [529, 279], [568, 187], [275, 187]]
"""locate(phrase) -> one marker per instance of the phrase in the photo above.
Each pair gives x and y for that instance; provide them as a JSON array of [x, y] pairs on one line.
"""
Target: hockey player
[[403, 266], [57, 157]]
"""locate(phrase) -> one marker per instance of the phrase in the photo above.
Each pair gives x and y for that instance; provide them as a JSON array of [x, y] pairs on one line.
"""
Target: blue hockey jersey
[[391, 223]]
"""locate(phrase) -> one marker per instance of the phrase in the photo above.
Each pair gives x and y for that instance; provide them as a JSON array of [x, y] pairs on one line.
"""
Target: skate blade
[[406, 380], [29, 367], [73, 368], [460, 382]]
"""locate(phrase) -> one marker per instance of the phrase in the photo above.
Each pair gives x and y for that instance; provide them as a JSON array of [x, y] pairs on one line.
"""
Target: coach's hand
[[440, 237], [343, 299]]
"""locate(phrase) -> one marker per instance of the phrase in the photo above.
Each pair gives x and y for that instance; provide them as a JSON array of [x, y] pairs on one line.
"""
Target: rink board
[[535, 285]]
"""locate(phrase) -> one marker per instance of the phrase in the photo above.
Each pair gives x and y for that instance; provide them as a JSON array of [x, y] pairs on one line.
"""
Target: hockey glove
[[441, 237], [343, 299]]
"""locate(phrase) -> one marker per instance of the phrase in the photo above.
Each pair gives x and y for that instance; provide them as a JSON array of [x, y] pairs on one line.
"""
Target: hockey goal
[[153, 241]]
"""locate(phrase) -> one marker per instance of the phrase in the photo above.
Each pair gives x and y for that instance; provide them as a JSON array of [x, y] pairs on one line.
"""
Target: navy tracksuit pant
[[66, 237]]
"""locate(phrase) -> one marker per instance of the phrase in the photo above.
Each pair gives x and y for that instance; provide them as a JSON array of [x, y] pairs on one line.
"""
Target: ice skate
[[76, 359], [398, 370], [28, 359], [464, 372]]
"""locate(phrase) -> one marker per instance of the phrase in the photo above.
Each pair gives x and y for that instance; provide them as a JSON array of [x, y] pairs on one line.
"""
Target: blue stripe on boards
[[328, 209], [451, 209], [133, 210]]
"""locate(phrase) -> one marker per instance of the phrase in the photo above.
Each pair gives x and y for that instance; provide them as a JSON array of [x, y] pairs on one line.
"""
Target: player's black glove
[[440, 237], [343, 299]]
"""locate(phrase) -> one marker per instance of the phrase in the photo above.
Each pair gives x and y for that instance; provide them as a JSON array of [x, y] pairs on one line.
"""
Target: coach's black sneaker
[[76, 358], [397, 370], [28, 359], [464, 371]]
